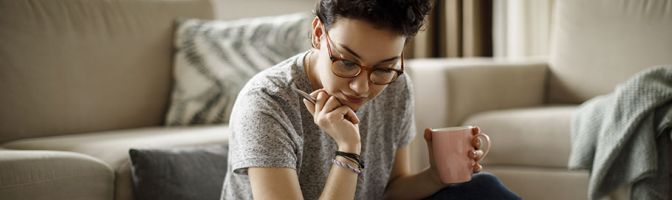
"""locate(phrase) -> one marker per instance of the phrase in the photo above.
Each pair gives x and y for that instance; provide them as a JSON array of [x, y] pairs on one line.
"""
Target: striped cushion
[[214, 59]]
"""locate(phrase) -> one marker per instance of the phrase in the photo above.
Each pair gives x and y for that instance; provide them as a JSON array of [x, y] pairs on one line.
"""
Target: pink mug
[[451, 148]]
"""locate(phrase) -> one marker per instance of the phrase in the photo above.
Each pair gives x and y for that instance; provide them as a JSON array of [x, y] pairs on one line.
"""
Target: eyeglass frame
[[368, 69]]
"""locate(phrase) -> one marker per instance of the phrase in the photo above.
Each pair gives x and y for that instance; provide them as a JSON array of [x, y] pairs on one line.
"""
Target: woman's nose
[[360, 83]]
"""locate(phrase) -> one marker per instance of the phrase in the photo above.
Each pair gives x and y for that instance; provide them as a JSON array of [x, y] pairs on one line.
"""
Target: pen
[[304, 94]]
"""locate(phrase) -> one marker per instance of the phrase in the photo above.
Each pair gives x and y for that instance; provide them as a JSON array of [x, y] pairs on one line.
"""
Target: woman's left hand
[[474, 155]]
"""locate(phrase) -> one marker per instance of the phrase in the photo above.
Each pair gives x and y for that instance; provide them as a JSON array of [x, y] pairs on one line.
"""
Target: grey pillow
[[179, 173], [214, 59]]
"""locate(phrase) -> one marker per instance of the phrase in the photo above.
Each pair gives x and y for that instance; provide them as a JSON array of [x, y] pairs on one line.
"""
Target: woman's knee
[[485, 178]]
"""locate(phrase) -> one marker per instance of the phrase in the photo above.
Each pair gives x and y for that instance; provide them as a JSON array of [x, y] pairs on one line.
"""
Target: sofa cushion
[[527, 137], [543, 183], [112, 146], [214, 59], [55, 174], [79, 66], [179, 173], [598, 44]]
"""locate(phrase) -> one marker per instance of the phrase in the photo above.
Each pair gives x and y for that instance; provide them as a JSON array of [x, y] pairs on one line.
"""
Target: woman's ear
[[316, 33]]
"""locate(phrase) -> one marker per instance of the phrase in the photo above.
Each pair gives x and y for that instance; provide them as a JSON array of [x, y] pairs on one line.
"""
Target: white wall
[[522, 28]]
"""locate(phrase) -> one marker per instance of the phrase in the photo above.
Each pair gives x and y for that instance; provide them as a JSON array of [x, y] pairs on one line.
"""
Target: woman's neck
[[309, 67]]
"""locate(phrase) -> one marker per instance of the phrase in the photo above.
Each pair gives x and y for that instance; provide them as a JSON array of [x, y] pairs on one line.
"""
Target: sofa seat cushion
[[112, 147], [55, 174], [527, 137]]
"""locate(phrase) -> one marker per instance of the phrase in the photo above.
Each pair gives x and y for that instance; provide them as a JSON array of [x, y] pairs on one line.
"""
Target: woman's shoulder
[[275, 79], [271, 86]]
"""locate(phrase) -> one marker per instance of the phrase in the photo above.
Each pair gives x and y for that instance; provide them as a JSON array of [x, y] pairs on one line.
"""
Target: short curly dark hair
[[404, 17]]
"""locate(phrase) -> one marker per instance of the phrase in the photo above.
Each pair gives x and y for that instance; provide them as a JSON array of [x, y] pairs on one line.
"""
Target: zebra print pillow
[[214, 59]]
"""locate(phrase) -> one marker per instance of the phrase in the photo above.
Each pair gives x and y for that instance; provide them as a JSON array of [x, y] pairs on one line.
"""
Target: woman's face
[[357, 41]]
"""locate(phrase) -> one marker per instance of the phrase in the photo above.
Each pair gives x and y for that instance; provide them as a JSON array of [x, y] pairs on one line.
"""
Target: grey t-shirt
[[272, 128]]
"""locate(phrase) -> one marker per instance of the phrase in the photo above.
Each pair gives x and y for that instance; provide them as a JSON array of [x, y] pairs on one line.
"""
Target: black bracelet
[[352, 156]]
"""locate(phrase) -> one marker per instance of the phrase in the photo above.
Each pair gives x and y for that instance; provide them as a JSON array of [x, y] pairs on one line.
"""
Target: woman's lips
[[355, 100]]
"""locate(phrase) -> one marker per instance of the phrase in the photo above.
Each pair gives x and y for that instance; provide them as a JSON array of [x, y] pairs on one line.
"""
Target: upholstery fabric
[[179, 173], [214, 59], [77, 66], [112, 146], [527, 136], [597, 44], [46, 175]]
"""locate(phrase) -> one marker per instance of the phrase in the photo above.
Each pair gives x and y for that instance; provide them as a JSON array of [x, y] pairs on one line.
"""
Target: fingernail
[[475, 130], [477, 167]]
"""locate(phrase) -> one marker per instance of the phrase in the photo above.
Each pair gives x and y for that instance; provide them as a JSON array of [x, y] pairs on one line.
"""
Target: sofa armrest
[[447, 91], [54, 175]]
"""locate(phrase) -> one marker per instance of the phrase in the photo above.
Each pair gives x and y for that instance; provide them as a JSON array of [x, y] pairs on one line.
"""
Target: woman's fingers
[[310, 106], [351, 116], [428, 141], [428, 135], [314, 93], [475, 130], [331, 104], [344, 112], [477, 167], [320, 101], [476, 155], [329, 107]]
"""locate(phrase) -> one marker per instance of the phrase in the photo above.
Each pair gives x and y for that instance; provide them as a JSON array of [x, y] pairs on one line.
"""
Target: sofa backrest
[[73, 66], [597, 44]]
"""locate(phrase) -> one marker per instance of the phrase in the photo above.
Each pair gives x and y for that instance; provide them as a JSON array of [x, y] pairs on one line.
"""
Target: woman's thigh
[[482, 186]]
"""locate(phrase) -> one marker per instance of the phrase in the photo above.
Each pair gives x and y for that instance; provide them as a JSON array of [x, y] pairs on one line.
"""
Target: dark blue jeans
[[482, 186]]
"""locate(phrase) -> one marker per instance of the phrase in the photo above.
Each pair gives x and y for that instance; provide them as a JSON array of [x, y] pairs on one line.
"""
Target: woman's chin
[[354, 106]]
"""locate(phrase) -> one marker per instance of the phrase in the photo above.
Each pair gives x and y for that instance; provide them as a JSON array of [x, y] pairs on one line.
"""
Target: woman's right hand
[[338, 120]]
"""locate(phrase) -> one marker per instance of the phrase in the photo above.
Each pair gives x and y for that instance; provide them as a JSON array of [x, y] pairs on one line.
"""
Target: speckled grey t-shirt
[[272, 128]]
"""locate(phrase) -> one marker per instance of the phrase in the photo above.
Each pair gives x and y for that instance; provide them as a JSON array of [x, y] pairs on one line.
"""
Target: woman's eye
[[384, 70], [349, 64]]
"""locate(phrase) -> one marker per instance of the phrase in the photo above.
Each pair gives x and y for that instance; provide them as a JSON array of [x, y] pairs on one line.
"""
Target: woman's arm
[[274, 183], [403, 185], [283, 183], [421, 185]]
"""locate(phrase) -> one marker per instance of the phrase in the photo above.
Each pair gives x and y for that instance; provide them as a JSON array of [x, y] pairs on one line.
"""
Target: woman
[[352, 142]]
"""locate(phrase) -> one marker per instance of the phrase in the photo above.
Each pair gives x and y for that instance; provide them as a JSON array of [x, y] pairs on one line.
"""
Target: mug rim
[[456, 128]]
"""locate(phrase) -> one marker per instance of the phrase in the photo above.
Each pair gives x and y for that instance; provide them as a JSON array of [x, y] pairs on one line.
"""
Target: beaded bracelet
[[345, 165]]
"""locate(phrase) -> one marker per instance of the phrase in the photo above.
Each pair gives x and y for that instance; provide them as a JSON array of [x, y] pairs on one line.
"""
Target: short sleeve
[[408, 128], [261, 134]]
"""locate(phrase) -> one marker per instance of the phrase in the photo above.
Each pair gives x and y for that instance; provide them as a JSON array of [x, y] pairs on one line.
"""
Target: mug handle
[[483, 140]]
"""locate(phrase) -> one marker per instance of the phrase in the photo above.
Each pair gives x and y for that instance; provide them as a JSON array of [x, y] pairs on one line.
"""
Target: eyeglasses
[[380, 74]]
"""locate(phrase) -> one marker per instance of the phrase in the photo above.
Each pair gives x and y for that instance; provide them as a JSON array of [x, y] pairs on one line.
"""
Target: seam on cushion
[[44, 181]]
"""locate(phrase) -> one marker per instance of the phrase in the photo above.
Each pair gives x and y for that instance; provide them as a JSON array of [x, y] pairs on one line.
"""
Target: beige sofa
[[83, 81], [526, 105]]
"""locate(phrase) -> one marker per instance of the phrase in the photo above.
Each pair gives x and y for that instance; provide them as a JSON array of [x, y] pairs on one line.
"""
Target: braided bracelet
[[353, 157], [345, 165], [353, 161]]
